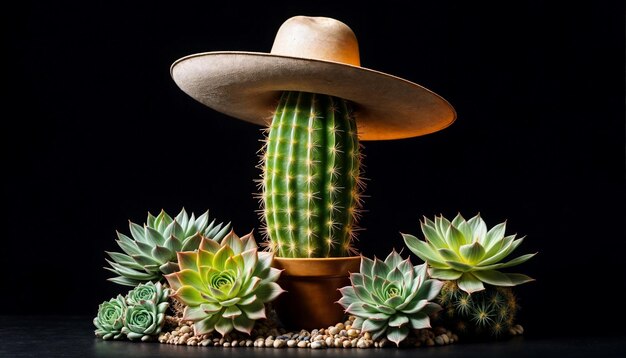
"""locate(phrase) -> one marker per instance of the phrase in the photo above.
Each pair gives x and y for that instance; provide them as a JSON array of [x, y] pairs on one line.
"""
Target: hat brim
[[247, 85]]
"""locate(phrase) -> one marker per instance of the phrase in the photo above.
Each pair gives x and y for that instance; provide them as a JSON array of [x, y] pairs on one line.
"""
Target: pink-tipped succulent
[[225, 285]]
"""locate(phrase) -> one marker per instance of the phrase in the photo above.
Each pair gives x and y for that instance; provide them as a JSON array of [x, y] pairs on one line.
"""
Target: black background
[[95, 132]]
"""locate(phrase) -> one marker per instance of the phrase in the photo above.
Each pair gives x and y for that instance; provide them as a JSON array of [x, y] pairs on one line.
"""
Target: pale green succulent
[[467, 252], [147, 292], [390, 297], [110, 318], [225, 286], [144, 320], [151, 252]]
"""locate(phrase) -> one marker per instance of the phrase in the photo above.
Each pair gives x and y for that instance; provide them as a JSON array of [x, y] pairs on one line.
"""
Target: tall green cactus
[[311, 180]]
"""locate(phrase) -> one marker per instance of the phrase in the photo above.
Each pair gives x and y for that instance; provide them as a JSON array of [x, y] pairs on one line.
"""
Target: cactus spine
[[490, 312], [311, 177]]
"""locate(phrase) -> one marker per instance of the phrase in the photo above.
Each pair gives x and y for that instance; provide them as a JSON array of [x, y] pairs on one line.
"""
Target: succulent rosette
[[468, 253], [147, 292], [225, 285], [151, 252], [144, 320], [110, 318], [390, 297]]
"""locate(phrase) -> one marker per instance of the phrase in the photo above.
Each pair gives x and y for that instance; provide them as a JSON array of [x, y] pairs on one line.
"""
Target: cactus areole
[[311, 92]]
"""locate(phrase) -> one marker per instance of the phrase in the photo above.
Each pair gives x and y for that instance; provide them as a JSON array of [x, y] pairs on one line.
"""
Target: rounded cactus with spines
[[311, 181], [487, 313]]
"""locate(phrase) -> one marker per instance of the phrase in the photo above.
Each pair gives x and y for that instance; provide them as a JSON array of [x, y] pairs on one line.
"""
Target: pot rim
[[311, 259]]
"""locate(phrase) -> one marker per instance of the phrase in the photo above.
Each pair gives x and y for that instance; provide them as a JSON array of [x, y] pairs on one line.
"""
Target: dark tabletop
[[73, 337]]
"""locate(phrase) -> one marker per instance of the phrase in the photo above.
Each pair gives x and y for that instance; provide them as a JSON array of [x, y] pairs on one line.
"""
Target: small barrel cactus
[[487, 313], [390, 297], [465, 252], [110, 319], [152, 250], [225, 286], [311, 180]]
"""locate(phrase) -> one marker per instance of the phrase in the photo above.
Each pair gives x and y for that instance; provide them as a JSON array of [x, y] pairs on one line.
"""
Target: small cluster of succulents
[[225, 286], [151, 252], [391, 297], [138, 316], [476, 297], [222, 279], [224, 282]]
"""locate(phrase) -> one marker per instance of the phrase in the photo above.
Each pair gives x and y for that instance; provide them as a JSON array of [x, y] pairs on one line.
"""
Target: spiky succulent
[[390, 297], [151, 252], [468, 253], [225, 286], [110, 318]]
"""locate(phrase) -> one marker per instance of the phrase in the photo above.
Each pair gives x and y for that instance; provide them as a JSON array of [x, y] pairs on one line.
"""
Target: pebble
[[184, 338], [439, 340], [340, 335], [446, 339]]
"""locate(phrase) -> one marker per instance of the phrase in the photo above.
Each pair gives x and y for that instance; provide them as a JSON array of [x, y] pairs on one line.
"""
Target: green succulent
[[390, 297], [147, 292], [151, 252], [225, 286], [468, 253], [110, 318], [144, 320]]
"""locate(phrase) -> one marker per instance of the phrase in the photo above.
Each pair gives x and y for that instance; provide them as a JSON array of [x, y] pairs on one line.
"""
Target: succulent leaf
[[466, 252], [151, 252], [387, 296], [225, 285]]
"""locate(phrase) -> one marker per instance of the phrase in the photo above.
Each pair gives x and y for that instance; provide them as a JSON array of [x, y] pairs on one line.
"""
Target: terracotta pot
[[312, 290]]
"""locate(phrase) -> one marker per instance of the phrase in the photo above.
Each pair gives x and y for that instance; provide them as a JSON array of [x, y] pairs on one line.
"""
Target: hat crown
[[320, 38]]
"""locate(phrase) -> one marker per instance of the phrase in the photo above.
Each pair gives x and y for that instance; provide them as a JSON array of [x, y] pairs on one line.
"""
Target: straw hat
[[318, 55]]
